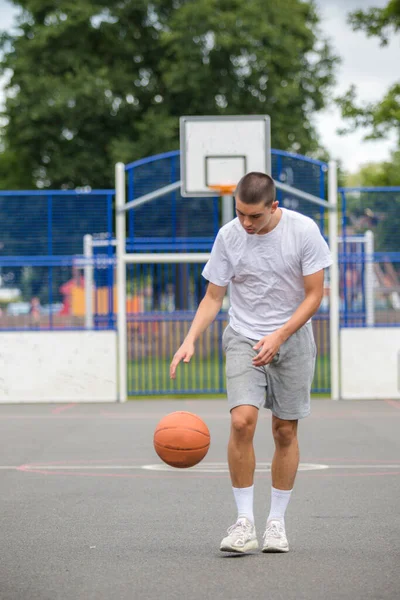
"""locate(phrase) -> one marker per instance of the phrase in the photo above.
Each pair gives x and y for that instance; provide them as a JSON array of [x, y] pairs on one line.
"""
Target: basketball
[[181, 439]]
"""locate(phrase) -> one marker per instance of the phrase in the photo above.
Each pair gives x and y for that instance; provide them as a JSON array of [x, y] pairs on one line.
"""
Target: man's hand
[[185, 353], [268, 346]]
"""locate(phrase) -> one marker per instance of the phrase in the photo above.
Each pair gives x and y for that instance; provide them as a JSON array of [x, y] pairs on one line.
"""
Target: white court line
[[265, 467], [363, 466], [200, 468], [220, 467]]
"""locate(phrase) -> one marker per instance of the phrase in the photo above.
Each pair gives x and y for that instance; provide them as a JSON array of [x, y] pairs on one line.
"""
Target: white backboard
[[220, 150]]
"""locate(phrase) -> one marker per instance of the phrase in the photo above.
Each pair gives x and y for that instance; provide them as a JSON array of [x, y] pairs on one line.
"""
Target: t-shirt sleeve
[[316, 254], [218, 269]]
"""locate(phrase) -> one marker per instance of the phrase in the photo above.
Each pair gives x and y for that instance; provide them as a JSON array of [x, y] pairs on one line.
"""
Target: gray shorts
[[283, 386]]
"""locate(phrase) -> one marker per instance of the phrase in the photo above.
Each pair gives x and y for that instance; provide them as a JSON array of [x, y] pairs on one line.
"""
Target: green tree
[[379, 211], [93, 82], [381, 117], [380, 22], [385, 173], [13, 175]]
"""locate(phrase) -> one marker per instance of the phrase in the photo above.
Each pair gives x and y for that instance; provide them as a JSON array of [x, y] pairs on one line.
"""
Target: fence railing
[[41, 240], [158, 318], [49, 280], [370, 279]]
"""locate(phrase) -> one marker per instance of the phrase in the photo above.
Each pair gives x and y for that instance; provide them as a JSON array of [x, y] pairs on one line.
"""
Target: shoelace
[[274, 530], [240, 529]]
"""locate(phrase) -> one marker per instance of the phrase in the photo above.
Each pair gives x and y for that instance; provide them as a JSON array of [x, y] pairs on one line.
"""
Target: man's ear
[[274, 206]]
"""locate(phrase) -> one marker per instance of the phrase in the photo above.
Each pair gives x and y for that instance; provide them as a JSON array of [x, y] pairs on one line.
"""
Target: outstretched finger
[[172, 368]]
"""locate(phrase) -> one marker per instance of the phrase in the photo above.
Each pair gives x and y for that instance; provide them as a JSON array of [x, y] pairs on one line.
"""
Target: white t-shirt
[[266, 271]]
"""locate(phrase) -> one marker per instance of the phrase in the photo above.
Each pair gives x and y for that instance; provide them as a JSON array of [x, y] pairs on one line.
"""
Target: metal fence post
[[120, 230], [228, 212], [334, 300], [88, 280], [369, 279]]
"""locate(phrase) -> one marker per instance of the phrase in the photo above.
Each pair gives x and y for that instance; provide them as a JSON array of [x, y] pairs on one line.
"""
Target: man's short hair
[[256, 187]]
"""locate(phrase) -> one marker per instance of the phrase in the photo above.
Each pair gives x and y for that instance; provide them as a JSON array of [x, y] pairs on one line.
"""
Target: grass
[[151, 375], [203, 377]]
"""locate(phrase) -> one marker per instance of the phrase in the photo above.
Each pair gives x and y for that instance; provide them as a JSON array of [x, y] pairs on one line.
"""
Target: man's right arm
[[208, 309]]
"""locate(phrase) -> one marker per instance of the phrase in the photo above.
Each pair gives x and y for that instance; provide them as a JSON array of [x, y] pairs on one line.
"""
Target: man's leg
[[286, 457], [246, 387], [241, 459], [284, 468], [241, 456]]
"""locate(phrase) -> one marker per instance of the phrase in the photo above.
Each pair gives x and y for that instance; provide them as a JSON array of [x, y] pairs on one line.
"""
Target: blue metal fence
[[192, 223], [41, 243], [303, 173], [162, 299], [42, 279], [376, 210], [178, 223]]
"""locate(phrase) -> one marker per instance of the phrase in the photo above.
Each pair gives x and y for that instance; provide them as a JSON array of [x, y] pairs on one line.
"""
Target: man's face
[[255, 218]]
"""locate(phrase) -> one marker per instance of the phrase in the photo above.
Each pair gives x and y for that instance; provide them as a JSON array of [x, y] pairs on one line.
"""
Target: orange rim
[[223, 189]]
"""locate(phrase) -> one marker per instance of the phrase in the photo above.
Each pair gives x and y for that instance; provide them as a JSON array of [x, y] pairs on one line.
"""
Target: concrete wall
[[54, 366], [370, 363]]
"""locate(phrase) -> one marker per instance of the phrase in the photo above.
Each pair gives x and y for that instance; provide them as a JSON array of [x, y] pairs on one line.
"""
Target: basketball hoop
[[217, 151], [224, 190]]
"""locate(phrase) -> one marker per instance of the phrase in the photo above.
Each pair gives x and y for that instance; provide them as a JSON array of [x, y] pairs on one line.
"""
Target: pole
[[227, 209], [227, 215], [88, 279], [334, 301], [169, 258], [152, 195], [369, 279], [120, 230]]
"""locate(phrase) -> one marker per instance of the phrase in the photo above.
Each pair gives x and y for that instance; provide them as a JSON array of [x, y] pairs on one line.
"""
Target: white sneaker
[[275, 539], [241, 537]]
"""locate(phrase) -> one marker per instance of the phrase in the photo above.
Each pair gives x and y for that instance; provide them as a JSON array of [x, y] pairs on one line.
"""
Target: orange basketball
[[181, 439]]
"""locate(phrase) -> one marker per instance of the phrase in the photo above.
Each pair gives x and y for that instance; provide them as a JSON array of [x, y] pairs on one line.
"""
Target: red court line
[[61, 412], [60, 409], [61, 463], [137, 415], [393, 403]]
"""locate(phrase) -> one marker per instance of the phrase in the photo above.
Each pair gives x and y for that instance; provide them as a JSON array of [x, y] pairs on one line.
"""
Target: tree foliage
[[385, 173], [379, 211], [381, 117], [379, 22], [93, 82]]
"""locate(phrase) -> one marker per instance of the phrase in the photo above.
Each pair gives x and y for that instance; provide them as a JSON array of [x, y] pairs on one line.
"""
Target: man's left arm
[[269, 345]]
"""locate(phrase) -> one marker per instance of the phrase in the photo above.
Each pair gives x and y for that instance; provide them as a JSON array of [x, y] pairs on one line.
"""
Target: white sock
[[244, 501], [279, 502]]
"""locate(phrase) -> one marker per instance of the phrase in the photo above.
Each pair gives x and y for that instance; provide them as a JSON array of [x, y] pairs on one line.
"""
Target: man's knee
[[284, 432], [243, 421]]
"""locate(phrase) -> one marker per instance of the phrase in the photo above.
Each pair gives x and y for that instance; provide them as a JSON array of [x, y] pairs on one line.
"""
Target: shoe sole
[[275, 550], [253, 545]]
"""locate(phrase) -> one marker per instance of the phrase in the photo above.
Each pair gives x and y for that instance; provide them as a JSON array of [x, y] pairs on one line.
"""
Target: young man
[[274, 260]]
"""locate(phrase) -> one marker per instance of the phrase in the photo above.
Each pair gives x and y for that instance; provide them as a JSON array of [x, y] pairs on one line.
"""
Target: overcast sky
[[371, 68], [367, 65]]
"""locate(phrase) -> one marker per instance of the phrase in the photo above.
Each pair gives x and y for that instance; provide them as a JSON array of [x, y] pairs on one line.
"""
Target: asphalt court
[[89, 512]]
